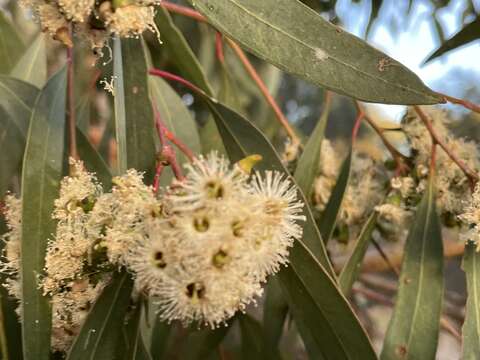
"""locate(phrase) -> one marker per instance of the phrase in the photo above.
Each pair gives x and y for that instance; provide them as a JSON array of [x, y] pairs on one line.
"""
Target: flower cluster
[[202, 249], [364, 191], [451, 183], [94, 20], [471, 217], [218, 239]]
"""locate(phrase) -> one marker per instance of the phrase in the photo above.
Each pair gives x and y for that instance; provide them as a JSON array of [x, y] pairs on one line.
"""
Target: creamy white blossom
[[451, 183], [220, 237]]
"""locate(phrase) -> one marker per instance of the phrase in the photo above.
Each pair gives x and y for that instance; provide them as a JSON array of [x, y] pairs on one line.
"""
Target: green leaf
[[32, 66], [16, 101], [324, 317], [471, 326], [160, 337], [136, 349], [203, 343], [93, 161], [241, 138], [319, 308], [102, 330], [413, 329], [135, 127], [275, 311], [351, 269], [252, 338], [41, 175], [469, 33], [184, 58], [309, 162], [329, 217], [11, 46], [267, 28]]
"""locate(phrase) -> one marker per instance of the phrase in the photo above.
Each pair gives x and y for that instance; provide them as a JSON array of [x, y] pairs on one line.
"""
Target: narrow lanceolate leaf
[[469, 33], [275, 312], [329, 217], [352, 268], [133, 111], [17, 99], [32, 66], [202, 344], [325, 320], [252, 338], [417, 312], [160, 338], [119, 106], [42, 171], [241, 138], [102, 330], [309, 162], [322, 313], [180, 51], [93, 161], [11, 46], [324, 54], [471, 327], [136, 349]]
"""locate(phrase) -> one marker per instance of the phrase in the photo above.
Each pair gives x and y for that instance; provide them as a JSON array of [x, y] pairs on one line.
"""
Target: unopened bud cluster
[[201, 250], [94, 20]]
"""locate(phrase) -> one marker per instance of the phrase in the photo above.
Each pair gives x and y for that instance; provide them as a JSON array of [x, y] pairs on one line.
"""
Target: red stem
[[169, 76], [470, 174], [166, 155], [356, 125], [183, 10], [156, 179], [264, 90], [466, 104], [219, 47]]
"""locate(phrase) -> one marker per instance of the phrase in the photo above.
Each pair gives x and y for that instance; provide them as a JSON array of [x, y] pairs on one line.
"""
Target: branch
[[466, 104], [356, 125], [469, 173], [398, 157], [166, 155], [264, 90], [172, 77], [183, 10]]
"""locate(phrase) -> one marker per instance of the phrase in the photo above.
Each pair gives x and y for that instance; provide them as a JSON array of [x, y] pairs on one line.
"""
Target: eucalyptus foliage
[[161, 93]]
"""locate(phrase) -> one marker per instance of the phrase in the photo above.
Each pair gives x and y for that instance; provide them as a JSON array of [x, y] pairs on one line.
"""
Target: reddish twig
[[356, 125], [470, 174], [398, 157], [72, 124], [433, 158], [219, 47], [169, 76], [465, 103], [264, 90], [183, 10], [166, 156], [179, 144]]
